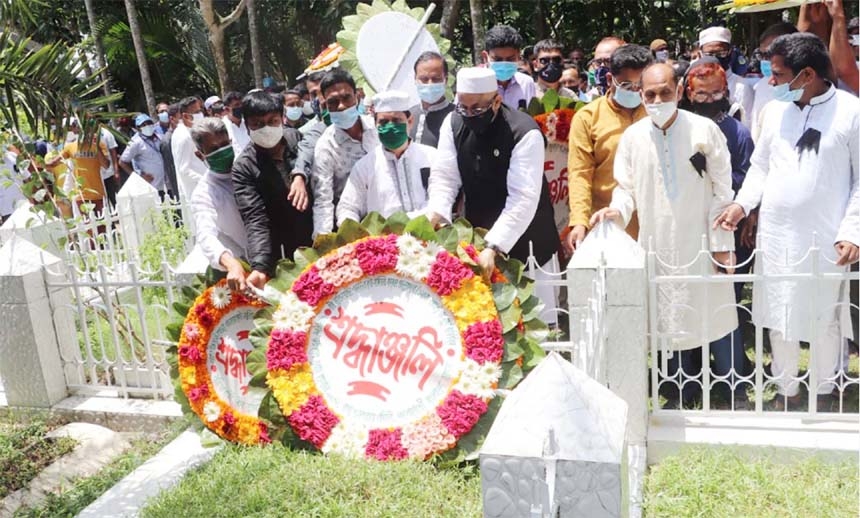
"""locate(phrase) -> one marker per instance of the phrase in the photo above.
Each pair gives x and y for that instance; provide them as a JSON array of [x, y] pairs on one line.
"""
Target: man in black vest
[[496, 156]]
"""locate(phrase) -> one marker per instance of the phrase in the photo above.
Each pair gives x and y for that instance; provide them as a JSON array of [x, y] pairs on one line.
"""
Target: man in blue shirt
[[143, 154]]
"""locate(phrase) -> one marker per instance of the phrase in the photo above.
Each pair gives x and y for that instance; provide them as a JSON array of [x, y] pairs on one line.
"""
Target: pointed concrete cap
[[135, 187]]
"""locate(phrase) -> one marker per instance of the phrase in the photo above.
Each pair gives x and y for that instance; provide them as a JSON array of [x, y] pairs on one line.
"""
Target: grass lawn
[[274, 481], [24, 452]]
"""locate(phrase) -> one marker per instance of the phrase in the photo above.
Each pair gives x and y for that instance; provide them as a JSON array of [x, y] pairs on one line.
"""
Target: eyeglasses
[[720, 54], [627, 85], [703, 97], [466, 111], [546, 61]]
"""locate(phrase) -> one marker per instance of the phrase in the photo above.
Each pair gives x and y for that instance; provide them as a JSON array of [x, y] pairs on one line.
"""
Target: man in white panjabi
[[673, 167], [805, 177], [394, 176]]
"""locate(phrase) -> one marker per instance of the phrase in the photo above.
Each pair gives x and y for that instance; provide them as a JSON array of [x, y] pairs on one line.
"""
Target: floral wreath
[[195, 390], [498, 327]]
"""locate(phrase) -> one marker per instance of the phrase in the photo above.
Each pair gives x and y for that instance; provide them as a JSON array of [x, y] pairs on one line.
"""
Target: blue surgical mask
[[764, 66], [362, 109], [294, 113], [345, 119], [163, 117], [784, 92], [432, 92], [504, 69], [627, 98]]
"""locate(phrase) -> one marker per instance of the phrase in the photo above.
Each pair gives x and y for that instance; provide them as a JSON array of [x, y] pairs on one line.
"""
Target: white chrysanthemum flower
[[346, 441], [292, 314], [415, 258], [211, 411], [220, 297], [477, 379], [409, 245]]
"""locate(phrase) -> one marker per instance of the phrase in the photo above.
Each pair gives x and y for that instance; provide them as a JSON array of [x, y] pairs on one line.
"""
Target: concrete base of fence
[[836, 440]]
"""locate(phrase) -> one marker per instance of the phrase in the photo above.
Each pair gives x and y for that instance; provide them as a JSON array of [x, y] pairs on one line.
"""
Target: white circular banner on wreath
[[384, 351], [226, 358]]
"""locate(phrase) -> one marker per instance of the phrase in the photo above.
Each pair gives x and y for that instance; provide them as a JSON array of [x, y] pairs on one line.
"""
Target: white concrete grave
[[44, 231], [556, 448], [137, 203]]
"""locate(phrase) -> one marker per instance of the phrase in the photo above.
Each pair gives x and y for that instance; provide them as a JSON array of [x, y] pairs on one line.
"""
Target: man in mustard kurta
[[594, 135]]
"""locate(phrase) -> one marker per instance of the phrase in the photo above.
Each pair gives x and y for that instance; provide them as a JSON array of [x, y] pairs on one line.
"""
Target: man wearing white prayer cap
[[717, 42], [496, 156], [392, 177]]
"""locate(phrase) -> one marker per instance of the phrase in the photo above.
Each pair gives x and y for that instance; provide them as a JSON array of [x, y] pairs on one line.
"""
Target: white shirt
[[189, 168], [239, 136], [218, 224], [742, 94], [10, 184], [801, 194], [335, 154], [763, 95], [110, 142], [520, 88], [525, 175], [382, 183], [676, 207]]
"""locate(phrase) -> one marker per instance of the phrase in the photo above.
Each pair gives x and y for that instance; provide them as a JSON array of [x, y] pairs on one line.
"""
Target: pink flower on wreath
[[264, 434], [341, 268], [310, 288], [198, 393], [314, 421], [460, 412], [199, 309], [190, 353], [206, 319], [229, 418], [471, 251], [286, 348], [192, 332], [377, 255], [447, 273], [385, 445], [485, 342], [426, 436]]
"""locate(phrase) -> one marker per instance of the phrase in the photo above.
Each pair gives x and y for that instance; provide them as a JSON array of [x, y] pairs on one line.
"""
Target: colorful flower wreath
[[555, 125], [755, 6], [196, 389]]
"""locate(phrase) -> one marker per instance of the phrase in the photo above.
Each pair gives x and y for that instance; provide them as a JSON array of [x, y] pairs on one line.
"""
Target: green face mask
[[326, 117], [393, 134], [221, 160]]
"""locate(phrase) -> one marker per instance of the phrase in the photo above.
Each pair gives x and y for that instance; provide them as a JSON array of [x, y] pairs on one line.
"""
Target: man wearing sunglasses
[[496, 156], [547, 63], [717, 43]]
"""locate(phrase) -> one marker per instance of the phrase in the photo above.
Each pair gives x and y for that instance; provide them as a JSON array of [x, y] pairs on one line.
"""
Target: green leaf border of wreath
[[515, 301]]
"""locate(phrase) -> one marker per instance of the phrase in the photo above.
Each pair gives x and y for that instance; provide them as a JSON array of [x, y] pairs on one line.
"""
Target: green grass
[[711, 482], [85, 491], [274, 481], [24, 452]]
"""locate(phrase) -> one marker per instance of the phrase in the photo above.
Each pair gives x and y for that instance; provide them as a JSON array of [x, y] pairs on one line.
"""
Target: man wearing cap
[[717, 42], [211, 101], [660, 49], [394, 176], [496, 156], [144, 152]]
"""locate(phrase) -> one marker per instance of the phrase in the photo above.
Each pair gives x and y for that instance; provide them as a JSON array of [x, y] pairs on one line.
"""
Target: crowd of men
[[671, 150]]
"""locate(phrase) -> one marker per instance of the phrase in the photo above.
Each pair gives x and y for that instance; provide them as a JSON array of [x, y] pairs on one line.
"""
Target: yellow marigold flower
[[188, 374], [292, 387]]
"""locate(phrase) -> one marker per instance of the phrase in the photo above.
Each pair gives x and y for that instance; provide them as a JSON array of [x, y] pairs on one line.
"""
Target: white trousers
[[826, 355], [547, 293]]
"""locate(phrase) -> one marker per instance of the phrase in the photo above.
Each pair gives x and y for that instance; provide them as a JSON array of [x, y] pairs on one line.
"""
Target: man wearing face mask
[[594, 134], [142, 156], [294, 116], [271, 199], [394, 176], [314, 128], [219, 230], [161, 112], [762, 89], [547, 63], [805, 180], [501, 54], [235, 124], [674, 169], [717, 42], [496, 155], [189, 167], [350, 137], [661, 50], [431, 79]]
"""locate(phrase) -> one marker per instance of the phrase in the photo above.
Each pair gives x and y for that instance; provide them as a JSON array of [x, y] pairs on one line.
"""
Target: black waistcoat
[[483, 161]]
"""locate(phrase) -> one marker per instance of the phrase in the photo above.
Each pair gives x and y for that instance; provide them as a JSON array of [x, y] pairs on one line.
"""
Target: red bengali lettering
[[234, 361]]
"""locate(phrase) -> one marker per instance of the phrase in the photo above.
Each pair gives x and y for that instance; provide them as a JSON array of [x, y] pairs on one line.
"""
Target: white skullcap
[[475, 80], [391, 101], [715, 34], [210, 101]]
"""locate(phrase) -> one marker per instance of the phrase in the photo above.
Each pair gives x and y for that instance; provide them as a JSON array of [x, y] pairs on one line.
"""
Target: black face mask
[[726, 62], [551, 73], [479, 123], [237, 112], [711, 110]]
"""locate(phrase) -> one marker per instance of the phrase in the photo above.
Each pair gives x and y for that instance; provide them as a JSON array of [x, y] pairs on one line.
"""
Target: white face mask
[[148, 130], [267, 137], [197, 116], [661, 113]]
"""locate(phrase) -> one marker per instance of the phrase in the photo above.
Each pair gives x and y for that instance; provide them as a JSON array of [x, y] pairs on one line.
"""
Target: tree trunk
[[137, 39], [540, 21], [477, 13], [216, 24], [100, 52], [450, 17], [256, 57]]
